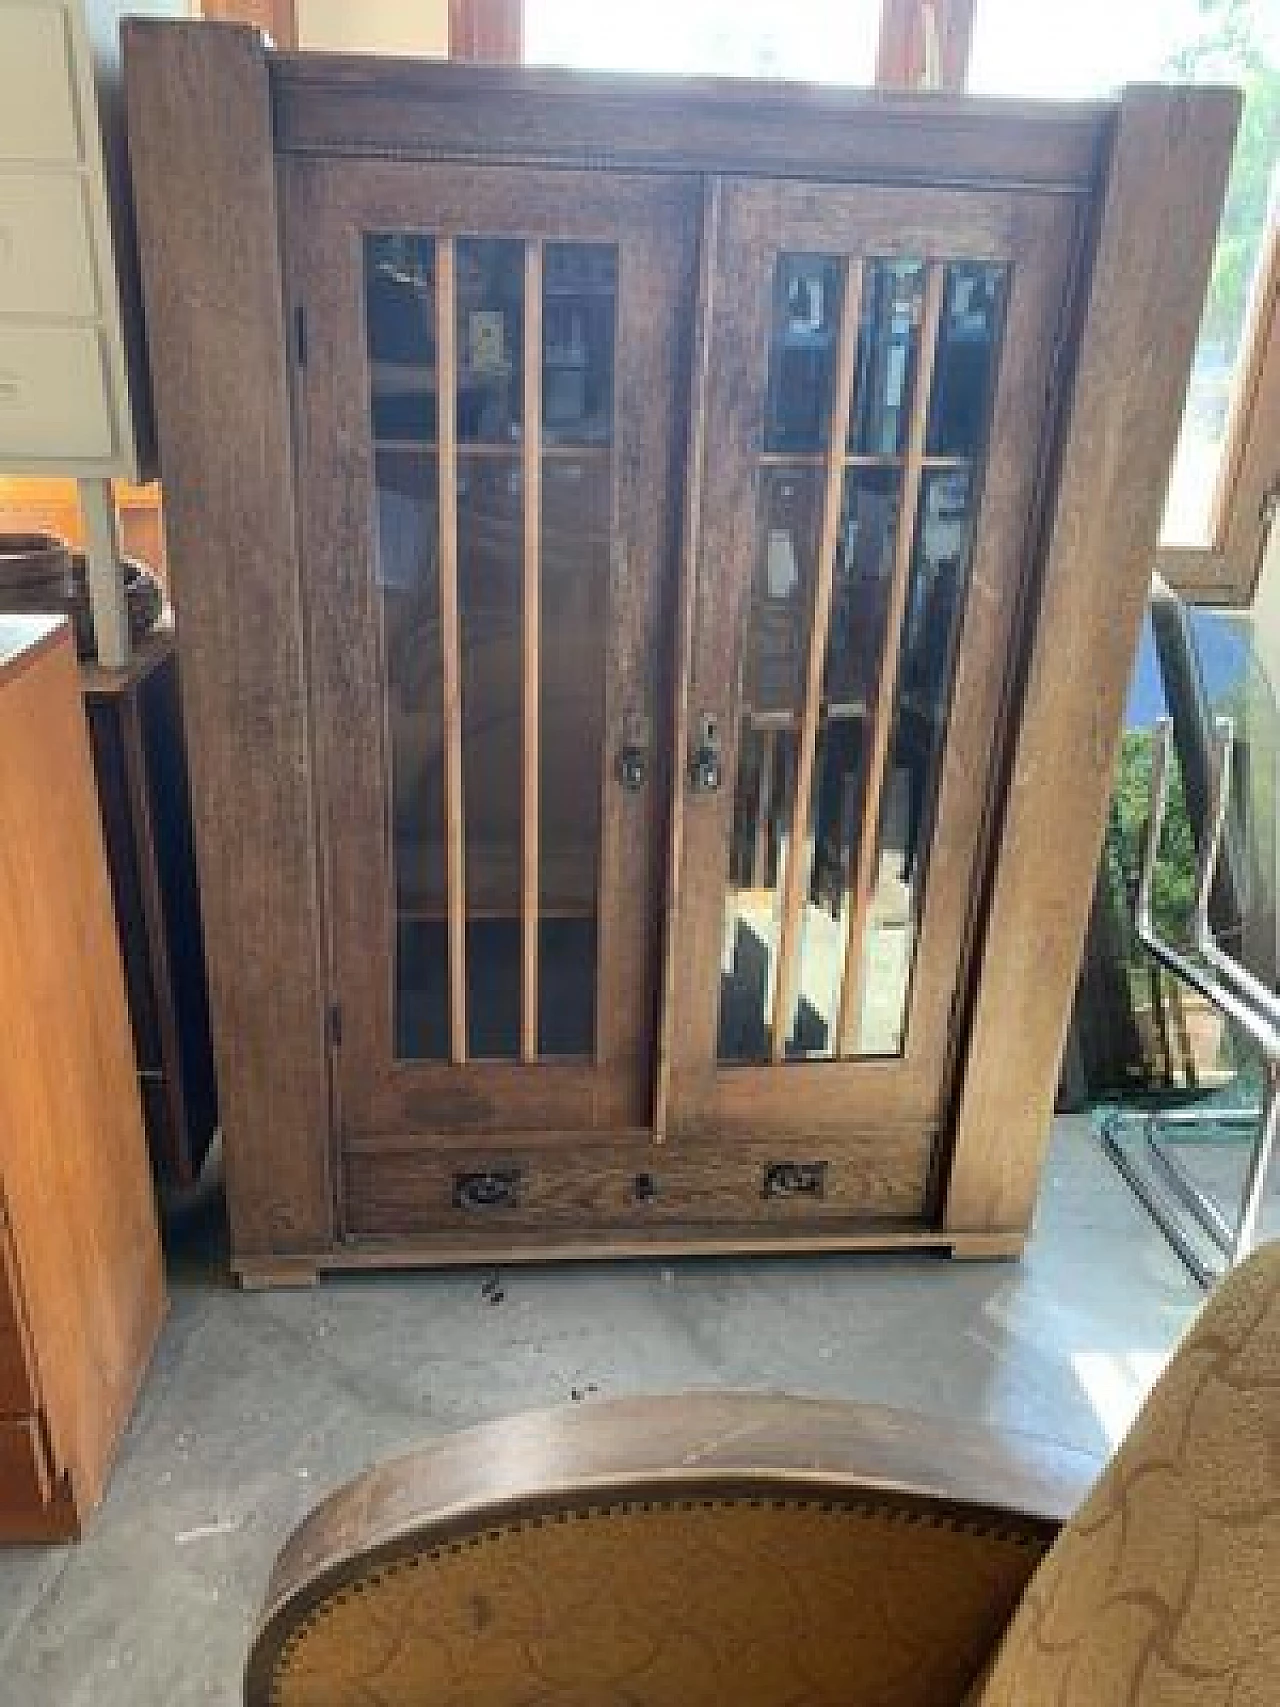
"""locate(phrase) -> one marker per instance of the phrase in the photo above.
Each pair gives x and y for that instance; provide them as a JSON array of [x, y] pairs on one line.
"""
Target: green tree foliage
[[1173, 887], [1230, 45]]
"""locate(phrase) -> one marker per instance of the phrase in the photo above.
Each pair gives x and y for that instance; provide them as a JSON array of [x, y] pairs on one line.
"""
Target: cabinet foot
[[271, 1274], [988, 1247]]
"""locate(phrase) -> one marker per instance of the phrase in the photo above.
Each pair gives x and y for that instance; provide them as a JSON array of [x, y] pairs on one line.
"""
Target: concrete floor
[[259, 1404]]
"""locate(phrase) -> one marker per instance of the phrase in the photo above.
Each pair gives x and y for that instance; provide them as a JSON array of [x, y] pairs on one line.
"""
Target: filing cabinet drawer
[[46, 258], [53, 393], [37, 102]]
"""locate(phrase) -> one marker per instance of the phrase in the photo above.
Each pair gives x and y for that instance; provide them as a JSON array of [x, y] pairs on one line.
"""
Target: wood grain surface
[[204, 187], [81, 1247], [1122, 399]]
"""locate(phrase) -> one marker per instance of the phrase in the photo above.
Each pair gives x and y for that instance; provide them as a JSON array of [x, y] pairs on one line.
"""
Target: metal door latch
[[706, 764]]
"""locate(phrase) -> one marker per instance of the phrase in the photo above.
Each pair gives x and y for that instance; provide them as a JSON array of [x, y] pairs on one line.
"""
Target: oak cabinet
[[662, 522]]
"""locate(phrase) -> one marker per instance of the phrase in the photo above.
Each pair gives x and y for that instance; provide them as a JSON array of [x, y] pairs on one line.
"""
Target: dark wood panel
[[1122, 405], [335, 104], [24, 1469], [204, 186], [18, 1393]]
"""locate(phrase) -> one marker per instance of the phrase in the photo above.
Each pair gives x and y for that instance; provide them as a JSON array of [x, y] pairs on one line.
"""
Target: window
[[1092, 47], [822, 41]]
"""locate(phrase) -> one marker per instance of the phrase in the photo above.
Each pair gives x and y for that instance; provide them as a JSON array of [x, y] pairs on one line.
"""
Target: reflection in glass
[[400, 313], [855, 645], [806, 315], [579, 289], [490, 556], [576, 505], [407, 577], [490, 335], [972, 311], [790, 514], [935, 602], [888, 352]]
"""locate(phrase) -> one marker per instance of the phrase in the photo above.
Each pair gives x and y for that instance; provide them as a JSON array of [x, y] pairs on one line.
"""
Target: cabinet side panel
[[204, 188], [73, 1165], [1161, 199]]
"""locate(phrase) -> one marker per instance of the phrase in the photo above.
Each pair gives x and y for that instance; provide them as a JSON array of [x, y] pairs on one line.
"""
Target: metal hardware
[[645, 1188], [495, 1188], [794, 1179], [633, 755], [1236, 993], [633, 767], [706, 764]]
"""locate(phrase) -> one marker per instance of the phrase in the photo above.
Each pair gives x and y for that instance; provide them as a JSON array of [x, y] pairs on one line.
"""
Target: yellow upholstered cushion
[[1164, 1589]]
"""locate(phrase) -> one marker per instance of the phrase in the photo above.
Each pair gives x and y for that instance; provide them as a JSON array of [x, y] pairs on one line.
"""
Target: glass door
[[486, 400], [872, 416]]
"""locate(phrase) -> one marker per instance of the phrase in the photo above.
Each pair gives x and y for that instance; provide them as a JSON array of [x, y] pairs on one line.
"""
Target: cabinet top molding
[[424, 109], [361, 105]]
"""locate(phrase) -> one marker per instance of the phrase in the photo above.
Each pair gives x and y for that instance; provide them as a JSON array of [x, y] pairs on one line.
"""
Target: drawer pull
[[795, 1179], [497, 1188]]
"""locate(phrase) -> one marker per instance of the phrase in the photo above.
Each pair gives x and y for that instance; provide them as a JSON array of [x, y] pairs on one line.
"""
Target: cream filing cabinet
[[74, 396]]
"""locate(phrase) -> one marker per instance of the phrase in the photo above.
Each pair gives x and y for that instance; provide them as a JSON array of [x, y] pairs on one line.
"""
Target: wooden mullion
[[886, 688], [764, 808], [795, 880], [451, 644], [530, 650]]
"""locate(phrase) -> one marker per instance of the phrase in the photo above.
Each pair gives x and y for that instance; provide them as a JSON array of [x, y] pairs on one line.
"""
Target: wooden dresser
[[81, 1281], [658, 566]]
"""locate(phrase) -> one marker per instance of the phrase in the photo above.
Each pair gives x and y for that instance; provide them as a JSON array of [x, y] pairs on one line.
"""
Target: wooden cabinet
[[81, 1283], [139, 761], [673, 526]]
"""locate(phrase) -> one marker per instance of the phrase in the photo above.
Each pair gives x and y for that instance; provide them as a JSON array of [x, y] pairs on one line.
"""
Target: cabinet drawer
[[37, 103], [46, 260], [17, 1384], [563, 1188], [25, 1483], [53, 393]]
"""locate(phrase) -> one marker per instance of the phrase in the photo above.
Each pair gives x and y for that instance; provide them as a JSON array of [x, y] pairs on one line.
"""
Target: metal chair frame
[[1240, 997]]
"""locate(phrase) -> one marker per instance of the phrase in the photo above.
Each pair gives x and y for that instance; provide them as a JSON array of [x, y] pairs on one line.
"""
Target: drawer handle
[[10, 388], [496, 1188], [794, 1179]]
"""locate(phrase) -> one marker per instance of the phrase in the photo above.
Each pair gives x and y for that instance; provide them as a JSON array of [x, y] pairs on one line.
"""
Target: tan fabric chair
[[742, 1551]]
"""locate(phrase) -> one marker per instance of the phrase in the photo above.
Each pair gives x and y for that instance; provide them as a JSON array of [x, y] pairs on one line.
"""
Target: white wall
[[415, 27]]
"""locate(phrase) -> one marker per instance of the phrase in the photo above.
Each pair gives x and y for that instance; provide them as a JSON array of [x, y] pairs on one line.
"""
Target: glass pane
[[490, 287], [407, 576], [580, 287], [935, 601], [806, 315], [1079, 50], [790, 511], [400, 311], [855, 646], [972, 311], [888, 350], [576, 515], [490, 553]]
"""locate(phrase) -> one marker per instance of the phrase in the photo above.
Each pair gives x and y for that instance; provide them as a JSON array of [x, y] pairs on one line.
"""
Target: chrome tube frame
[[1237, 994]]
